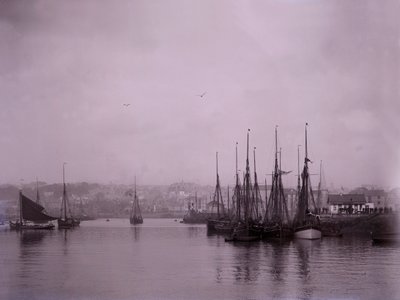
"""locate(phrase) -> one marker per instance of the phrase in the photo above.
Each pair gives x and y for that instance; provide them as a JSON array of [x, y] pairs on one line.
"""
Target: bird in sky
[[126, 104], [202, 95]]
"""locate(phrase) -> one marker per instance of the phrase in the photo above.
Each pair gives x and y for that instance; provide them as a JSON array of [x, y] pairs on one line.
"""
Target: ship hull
[[242, 233], [386, 238], [67, 224], [18, 226], [308, 233], [276, 232], [219, 226], [136, 220]]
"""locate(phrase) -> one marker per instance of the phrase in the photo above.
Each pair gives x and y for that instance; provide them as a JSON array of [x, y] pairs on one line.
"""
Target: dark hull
[[195, 218], [242, 233], [277, 232], [18, 226], [136, 220], [386, 238], [68, 223], [219, 226]]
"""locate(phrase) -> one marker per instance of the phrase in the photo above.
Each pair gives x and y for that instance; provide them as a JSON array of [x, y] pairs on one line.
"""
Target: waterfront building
[[349, 204]]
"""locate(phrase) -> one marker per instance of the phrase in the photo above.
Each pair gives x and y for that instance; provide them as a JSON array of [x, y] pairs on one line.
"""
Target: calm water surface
[[162, 259]]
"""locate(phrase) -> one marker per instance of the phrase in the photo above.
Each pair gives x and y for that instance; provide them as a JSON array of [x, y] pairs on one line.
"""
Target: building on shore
[[349, 204]]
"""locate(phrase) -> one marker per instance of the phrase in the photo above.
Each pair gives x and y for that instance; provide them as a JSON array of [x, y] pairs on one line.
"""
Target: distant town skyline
[[155, 89]]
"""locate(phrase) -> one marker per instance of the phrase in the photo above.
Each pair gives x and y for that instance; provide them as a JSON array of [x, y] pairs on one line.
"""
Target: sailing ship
[[247, 227], [219, 223], [31, 215], [66, 220], [276, 221], [194, 215], [307, 222], [135, 215]]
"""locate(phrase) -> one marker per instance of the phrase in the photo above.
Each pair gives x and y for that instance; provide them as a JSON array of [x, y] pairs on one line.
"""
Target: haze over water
[[163, 259], [67, 68]]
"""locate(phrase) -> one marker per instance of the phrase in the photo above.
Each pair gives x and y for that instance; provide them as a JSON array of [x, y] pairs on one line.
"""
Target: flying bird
[[126, 104], [202, 95]]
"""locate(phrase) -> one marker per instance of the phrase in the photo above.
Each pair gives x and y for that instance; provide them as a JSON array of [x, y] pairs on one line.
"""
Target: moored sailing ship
[[66, 220], [219, 222], [307, 222], [135, 214], [31, 215], [276, 221], [247, 227]]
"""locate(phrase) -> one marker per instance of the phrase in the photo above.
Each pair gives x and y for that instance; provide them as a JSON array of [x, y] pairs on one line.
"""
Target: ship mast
[[237, 187], [37, 192], [64, 204], [218, 194], [298, 173], [257, 194], [247, 182]]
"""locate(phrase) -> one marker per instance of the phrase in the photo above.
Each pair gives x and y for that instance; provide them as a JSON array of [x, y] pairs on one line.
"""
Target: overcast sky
[[67, 68]]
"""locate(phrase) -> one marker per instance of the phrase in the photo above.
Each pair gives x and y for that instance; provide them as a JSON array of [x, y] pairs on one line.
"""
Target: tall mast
[[237, 187], [217, 193], [298, 172], [134, 201], [275, 185], [306, 169], [255, 184], [266, 196], [64, 194], [237, 176], [228, 202], [20, 202], [20, 206], [247, 180], [257, 194], [37, 192], [217, 183], [319, 186]]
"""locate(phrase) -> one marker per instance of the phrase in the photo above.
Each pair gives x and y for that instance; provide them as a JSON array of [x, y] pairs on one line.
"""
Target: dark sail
[[31, 211]]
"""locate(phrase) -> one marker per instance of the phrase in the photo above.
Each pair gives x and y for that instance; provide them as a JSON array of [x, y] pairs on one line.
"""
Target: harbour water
[[163, 259]]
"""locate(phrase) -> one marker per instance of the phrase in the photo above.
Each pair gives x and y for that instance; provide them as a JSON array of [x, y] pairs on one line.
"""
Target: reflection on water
[[32, 237], [114, 260], [279, 253], [305, 251], [136, 232], [246, 256]]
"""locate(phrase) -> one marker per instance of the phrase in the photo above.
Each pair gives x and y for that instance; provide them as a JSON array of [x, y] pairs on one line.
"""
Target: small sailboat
[[135, 215], [307, 222], [31, 215], [66, 220]]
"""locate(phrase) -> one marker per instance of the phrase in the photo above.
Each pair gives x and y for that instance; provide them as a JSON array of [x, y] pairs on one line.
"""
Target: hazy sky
[[67, 67]]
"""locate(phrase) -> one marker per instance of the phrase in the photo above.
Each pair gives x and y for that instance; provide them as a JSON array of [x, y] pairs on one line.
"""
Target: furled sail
[[31, 211]]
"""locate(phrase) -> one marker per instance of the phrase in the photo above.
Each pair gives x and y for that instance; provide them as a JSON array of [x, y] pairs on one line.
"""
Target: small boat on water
[[32, 216], [306, 224], [66, 220], [135, 215], [386, 237]]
